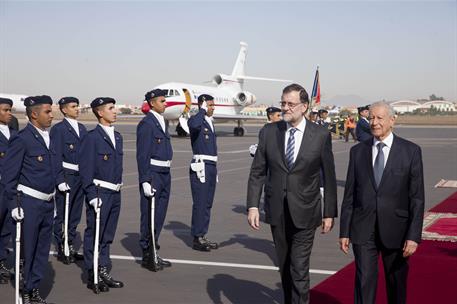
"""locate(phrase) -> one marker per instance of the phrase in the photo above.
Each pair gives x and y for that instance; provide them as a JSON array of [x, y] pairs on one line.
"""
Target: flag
[[316, 94]]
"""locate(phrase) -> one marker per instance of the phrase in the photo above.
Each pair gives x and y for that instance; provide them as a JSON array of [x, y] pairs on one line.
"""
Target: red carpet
[[432, 277]]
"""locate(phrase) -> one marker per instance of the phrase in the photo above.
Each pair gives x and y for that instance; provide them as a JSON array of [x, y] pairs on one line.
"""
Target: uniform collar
[[387, 141]]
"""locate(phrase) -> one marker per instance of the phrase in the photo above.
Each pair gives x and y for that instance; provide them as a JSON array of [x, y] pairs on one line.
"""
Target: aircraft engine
[[218, 79], [245, 98]]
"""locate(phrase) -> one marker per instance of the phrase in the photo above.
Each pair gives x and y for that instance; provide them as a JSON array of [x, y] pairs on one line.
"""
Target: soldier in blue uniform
[[101, 174], [67, 136], [203, 171], [30, 171], [363, 130], [153, 154], [6, 133]]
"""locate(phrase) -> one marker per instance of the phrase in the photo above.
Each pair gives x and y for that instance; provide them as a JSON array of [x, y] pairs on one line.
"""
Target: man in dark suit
[[383, 207], [293, 151]]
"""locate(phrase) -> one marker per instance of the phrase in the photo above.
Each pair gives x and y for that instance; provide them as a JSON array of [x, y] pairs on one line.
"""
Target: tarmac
[[243, 269]]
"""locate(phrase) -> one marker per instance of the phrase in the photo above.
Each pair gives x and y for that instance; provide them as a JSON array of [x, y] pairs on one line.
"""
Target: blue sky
[[377, 50]]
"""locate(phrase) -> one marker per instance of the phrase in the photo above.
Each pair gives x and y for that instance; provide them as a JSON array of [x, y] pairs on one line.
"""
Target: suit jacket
[[397, 205], [299, 186], [4, 144]]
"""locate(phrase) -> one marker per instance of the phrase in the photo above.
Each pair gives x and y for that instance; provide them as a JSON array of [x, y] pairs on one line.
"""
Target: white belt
[[161, 163], [199, 157], [108, 185], [34, 193], [70, 166]]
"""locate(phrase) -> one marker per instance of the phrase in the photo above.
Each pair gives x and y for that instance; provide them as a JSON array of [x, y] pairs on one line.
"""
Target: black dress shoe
[[148, 261], [108, 279], [212, 245], [4, 273], [163, 262], [75, 254], [200, 244], [35, 297], [62, 257], [25, 295], [100, 287]]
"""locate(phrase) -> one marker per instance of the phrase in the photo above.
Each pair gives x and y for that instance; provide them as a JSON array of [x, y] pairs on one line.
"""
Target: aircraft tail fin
[[238, 68]]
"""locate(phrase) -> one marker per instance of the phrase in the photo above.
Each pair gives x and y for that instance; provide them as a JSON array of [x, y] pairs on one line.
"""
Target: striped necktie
[[290, 148]]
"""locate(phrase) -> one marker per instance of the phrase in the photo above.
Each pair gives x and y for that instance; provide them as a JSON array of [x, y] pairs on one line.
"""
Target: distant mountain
[[346, 100]]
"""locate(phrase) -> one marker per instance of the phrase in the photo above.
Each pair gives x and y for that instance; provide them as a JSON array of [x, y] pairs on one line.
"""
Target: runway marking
[[207, 263]]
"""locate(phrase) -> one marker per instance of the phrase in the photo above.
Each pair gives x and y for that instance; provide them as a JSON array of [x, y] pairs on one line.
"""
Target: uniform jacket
[[203, 139], [299, 185], [4, 144], [67, 143], [397, 205], [100, 160], [152, 143], [363, 131], [29, 162]]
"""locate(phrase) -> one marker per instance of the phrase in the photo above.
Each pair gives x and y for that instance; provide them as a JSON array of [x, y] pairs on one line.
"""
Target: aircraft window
[[170, 93], [176, 93]]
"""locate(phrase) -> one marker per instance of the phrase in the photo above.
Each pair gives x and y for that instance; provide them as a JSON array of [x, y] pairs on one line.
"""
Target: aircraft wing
[[238, 117]]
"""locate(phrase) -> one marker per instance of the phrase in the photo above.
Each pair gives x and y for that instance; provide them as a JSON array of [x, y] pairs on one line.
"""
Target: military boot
[[67, 260], [35, 297], [100, 287], [75, 254], [4, 273], [212, 245], [200, 244], [108, 279]]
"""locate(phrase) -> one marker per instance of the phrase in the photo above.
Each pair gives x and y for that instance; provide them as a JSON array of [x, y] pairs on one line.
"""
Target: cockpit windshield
[[172, 92]]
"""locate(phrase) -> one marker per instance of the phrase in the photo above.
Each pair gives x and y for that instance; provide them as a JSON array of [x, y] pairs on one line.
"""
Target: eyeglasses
[[290, 105]]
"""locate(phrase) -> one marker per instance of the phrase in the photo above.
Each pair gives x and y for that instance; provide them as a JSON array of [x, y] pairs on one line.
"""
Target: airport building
[[409, 106]]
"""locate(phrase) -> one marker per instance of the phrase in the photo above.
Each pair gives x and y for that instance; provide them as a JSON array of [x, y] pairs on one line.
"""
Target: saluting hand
[[254, 218]]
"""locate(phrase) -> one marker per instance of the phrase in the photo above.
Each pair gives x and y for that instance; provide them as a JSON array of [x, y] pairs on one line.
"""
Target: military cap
[[205, 97], [155, 93], [99, 101], [271, 110], [6, 101], [37, 100], [314, 112], [65, 100], [360, 109], [323, 111]]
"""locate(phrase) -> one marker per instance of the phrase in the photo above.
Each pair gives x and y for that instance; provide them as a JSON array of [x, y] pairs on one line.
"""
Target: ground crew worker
[[6, 133], [153, 154], [30, 171], [349, 127], [203, 171], [101, 173], [67, 136]]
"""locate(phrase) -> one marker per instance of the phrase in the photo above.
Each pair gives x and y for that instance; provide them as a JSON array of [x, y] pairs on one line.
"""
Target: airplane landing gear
[[238, 131]]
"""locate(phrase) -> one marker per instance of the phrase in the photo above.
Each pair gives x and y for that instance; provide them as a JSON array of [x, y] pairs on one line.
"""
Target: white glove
[[204, 106], [148, 190], [252, 149], [63, 187], [16, 215], [94, 202]]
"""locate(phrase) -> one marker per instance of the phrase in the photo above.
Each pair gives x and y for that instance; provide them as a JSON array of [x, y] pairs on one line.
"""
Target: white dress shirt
[[110, 131], [159, 118], [209, 120], [298, 137], [73, 124], [386, 149], [5, 130], [44, 134]]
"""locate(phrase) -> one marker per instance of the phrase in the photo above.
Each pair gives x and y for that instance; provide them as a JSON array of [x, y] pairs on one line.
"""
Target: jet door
[[182, 126]]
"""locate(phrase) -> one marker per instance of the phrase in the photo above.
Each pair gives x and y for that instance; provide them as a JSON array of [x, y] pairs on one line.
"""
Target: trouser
[[109, 216], [6, 225], [293, 248], [346, 134], [75, 209], [161, 181], [366, 278], [36, 238], [202, 197]]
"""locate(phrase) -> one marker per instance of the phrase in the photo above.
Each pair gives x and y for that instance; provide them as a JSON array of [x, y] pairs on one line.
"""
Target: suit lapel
[[281, 137], [306, 139], [106, 136], [4, 139], [70, 128], [37, 135]]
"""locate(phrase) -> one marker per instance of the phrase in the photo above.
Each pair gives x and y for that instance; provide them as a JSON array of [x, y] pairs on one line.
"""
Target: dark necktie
[[290, 148], [378, 168]]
